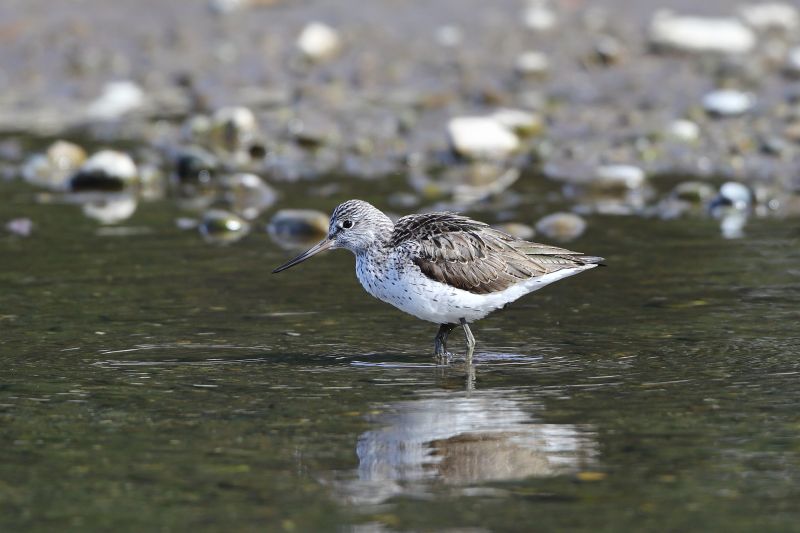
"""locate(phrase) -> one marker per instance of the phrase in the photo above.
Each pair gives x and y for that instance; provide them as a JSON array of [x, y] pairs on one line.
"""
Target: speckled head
[[355, 225]]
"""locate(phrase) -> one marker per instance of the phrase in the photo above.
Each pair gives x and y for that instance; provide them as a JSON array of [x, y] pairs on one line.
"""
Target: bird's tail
[[592, 260]]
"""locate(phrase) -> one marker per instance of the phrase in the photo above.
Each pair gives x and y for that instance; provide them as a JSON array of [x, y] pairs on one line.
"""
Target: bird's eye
[[347, 224]]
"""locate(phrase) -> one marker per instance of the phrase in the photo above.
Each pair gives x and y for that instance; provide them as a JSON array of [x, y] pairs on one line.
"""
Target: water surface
[[154, 382]]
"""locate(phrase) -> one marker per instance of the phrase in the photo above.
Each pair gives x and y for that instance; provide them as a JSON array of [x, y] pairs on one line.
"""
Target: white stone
[[629, 176], [449, 36], [117, 99], [112, 163], [793, 61], [683, 130], [737, 194], [770, 16], [728, 102], [318, 41], [532, 63], [700, 34], [481, 137], [538, 16]]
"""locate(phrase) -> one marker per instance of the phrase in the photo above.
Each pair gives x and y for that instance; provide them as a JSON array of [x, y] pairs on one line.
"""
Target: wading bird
[[442, 267]]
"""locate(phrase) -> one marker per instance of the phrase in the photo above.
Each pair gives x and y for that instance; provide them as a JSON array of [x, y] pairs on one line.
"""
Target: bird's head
[[355, 225]]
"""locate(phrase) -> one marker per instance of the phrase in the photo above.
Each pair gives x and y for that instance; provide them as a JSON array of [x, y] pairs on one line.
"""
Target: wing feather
[[472, 256]]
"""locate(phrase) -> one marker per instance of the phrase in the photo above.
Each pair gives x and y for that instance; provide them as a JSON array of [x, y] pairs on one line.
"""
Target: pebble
[[683, 130], [233, 128], [700, 34], [481, 137], [449, 36], [562, 226], [517, 229], [539, 16], [792, 65], [770, 16], [248, 194], [728, 102], [22, 227], [608, 50], [298, 223], [318, 41], [622, 176], [735, 195], [106, 170], [532, 64], [54, 168], [695, 192], [195, 165], [117, 99], [222, 227]]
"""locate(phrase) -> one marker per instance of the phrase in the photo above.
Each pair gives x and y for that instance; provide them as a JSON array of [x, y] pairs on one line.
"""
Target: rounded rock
[[517, 229], [532, 64], [318, 41], [248, 194], [700, 34], [693, 192], [562, 226], [728, 103], [683, 130], [106, 170], [539, 16], [222, 227], [298, 223], [481, 137], [233, 128], [619, 176], [54, 169], [770, 16], [195, 165]]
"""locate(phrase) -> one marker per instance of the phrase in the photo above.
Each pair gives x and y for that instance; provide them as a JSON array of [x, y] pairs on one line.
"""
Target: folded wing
[[472, 256]]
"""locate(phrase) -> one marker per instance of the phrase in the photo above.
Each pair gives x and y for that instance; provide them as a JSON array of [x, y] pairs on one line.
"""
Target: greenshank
[[442, 267]]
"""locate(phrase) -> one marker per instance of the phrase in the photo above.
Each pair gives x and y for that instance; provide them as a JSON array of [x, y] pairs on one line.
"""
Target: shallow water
[[155, 382]]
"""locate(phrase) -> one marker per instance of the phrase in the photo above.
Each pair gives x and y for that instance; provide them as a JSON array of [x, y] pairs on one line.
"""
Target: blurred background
[[159, 158]]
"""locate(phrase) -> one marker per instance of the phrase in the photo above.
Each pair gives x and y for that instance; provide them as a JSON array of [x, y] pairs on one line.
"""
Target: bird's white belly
[[407, 288]]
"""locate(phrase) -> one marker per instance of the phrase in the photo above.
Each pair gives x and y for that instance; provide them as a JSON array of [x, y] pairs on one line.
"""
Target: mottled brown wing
[[472, 256]]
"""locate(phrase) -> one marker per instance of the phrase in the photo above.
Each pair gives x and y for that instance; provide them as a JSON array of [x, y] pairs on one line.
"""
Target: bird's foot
[[443, 357]]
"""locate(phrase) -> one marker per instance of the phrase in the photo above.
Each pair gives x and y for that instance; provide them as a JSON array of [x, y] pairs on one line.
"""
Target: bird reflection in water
[[460, 440]]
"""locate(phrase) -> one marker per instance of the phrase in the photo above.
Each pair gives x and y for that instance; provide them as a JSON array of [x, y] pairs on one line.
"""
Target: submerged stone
[[562, 226], [222, 227], [22, 227], [306, 223], [248, 194], [195, 165], [517, 229], [110, 208]]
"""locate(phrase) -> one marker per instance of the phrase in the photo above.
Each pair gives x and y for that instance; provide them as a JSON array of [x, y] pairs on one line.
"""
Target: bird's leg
[[440, 344], [470, 338]]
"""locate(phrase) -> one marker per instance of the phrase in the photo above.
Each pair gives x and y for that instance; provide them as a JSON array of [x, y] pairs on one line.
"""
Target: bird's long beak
[[321, 246]]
